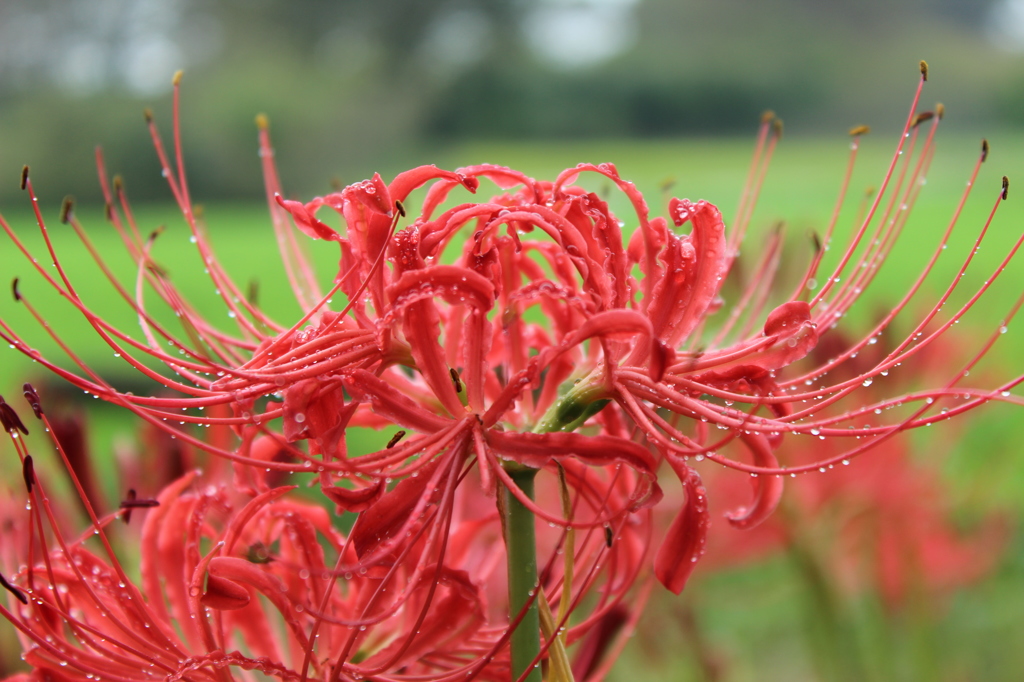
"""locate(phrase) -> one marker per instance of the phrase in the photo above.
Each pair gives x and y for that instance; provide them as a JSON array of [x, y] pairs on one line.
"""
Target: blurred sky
[[351, 84]]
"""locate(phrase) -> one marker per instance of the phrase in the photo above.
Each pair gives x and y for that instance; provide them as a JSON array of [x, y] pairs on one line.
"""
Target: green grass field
[[751, 618]]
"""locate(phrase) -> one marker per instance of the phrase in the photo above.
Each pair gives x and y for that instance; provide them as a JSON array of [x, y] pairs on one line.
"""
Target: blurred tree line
[[353, 85]]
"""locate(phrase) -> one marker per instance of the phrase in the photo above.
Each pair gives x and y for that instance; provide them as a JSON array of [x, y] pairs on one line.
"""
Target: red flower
[[268, 582], [528, 329]]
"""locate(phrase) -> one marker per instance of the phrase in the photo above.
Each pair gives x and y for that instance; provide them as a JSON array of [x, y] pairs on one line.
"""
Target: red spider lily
[[232, 583], [517, 330]]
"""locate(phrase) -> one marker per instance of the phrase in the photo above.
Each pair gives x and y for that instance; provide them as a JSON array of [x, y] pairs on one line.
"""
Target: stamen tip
[[816, 240], [924, 70], [399, 435], [14, 289], [984, 150], [777, 127], [262, 122], [940, 110], [28, 472], [921, 118], [455, 379], [400, 207], [18, 594], [24, 177], [857, 131], [1006, 186], [29, 391], [147, 114], [767, 116], [176, 78], [66, 209]]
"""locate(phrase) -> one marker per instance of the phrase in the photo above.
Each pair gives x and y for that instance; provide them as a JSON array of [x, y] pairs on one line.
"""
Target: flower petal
[[769, 488], [687, 537]]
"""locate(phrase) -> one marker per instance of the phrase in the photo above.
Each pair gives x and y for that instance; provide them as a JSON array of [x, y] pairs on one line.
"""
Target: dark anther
[[28, 472], [924, 70], [817, 242], [108, 212], [258, 553], [147, 113], [156, 233], [118, 184], [984, 150], [33, 400], [254, 291], [395, 438], [777, 127], [10, 419], [857, 131], [132, 502], [922, 117], [24, 177], [14, 289], [400, 207], [1006, 186], [18, 594], [608, 536], [66, 208], [455, 379]]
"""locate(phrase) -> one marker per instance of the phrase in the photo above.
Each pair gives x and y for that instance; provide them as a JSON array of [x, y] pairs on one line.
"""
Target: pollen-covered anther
[[857, 131], [176, 78], [1006, 186], [984, 150], [924, 70], [262, 122]]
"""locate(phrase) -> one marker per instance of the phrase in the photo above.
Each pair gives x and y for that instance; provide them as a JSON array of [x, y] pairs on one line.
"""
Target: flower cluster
[[544, 360]]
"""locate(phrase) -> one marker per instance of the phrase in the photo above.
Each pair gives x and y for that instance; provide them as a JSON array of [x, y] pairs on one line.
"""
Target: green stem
[[521, 544], [580, 402]]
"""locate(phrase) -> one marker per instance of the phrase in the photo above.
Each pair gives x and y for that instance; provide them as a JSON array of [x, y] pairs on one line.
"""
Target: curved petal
[[686, 539], [769, 488]]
